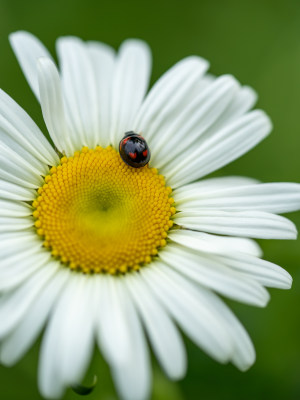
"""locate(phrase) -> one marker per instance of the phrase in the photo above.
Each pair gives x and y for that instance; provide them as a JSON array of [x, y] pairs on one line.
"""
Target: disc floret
[[98, 215]]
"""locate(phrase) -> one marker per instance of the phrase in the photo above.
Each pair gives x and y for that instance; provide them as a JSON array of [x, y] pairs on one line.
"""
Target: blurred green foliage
[[258, 41]]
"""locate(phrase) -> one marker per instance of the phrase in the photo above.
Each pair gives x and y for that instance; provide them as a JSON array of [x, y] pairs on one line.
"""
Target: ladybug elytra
[[134, 150]]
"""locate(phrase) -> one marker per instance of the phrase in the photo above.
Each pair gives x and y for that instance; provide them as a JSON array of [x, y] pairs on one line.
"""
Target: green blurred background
[[259, 43]]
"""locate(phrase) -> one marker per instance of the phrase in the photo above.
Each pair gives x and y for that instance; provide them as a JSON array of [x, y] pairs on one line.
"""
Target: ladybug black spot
[[134, 150]]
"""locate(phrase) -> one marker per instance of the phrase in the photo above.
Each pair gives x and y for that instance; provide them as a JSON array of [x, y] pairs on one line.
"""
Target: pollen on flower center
[[97, 214]]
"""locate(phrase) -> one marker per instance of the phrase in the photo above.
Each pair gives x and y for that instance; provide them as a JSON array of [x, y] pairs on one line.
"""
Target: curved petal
[[19, 272], [15, 304], [113, 331], [76, 339], [9, 224], [167, 97], [80, 90], [13, 150], [269, 197], [133, 378], [52, 106], [214, 275], [28, 49], [11, 191], [240, 255], [130, 83], [163, 334], [20, 169], [26, 252], [264, 272], [9, 241], [244, 99], [253, 224], [214, 244], [16, 344], [68, 340], [199, 322], [10, 171], [243, 352], [193, 120], [14, 209], [218, 149], [118, 325], [16, 123], [212, 184], [103, 59]]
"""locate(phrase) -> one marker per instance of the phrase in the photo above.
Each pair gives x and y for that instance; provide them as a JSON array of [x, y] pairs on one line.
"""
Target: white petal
[[201, 324], [254, 224], [16, 169], [237, 254], [80, 90], [243, 101], [11, 172], [264, 272], [133, 378], [193, 120], [164, 336], [269, 197], [75, 70], [216, 150], [214, 244], [167, 97], [103, 63], [130, 83], [28, 49], [16, 123], [214, 275], [49, 380], [14, 209], [20, 271], [14, 151], [52, 105], [11, 191], [12, 243], [114, 334], [14, 304], [212, 184], [9, 224], [23, 254], [67, 343], [76, 324], [23, 336], [243, 353]]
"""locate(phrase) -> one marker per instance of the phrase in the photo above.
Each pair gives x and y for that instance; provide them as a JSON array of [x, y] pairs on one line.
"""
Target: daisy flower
[[96, 250]]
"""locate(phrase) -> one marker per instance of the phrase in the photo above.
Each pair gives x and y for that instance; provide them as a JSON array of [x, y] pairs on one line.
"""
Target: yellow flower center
[[97, 214]]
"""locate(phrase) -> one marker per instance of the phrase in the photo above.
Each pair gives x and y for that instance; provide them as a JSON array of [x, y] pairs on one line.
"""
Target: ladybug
[[134, 150]]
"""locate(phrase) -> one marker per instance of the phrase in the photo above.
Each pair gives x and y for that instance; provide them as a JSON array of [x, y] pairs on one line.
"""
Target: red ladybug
[[134, 150]]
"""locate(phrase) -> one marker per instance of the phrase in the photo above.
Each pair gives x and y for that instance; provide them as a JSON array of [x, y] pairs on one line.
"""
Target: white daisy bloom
[[93, 249]]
